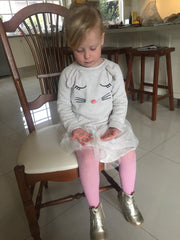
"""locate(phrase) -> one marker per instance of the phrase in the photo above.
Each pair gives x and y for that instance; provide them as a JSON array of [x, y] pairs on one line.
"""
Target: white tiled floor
[[157, 184]]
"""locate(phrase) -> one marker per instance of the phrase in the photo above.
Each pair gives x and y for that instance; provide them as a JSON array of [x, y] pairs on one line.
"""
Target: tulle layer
[[106, 151]]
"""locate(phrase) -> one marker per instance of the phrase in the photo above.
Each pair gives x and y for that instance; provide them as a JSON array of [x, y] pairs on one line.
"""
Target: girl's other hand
[[110, 134], [82, 136]]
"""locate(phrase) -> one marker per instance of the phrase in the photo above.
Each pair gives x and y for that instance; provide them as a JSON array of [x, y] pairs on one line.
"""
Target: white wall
[[21, 52], [165, 8]]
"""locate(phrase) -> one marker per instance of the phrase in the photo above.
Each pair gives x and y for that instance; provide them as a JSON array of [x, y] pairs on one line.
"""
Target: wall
[[139, 5], [21, 52], [165, 8], [135, 5]]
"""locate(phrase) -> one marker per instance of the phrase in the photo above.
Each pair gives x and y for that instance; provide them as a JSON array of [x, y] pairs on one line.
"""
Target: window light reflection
[[39, 116]]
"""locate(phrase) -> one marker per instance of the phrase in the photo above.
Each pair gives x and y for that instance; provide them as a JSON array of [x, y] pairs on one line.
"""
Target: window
[[39, 116], [112, 10], [9, 7]]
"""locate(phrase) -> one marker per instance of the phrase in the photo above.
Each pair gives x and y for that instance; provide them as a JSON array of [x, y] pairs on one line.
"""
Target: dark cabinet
[[4, 68]]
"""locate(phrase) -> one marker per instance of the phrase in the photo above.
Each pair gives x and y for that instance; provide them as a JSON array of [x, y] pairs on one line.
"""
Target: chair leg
[[109, 57], [155, 87], [142, 79], [116, 57], [28, 204], [131, 84], [132, 89], [129, 74], [170, 84]]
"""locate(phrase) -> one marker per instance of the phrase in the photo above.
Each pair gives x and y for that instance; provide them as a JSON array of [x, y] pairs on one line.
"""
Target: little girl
[[92, 105]]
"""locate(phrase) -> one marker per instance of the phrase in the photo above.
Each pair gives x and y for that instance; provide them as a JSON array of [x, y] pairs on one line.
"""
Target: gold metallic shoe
[[98, 230], [129, 209]]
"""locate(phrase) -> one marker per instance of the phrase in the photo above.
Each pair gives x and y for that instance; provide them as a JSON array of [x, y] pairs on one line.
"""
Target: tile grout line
[[149, 233]]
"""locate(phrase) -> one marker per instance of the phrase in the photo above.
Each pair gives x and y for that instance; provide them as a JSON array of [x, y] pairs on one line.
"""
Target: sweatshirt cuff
[[72, 127], [117, 125]]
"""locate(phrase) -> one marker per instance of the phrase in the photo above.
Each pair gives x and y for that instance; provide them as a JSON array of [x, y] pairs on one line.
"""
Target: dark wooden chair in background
[[40, 158], [156, 54], [113, 53]]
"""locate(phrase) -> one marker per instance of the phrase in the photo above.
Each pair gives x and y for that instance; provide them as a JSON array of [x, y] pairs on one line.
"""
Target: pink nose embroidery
[[93, 101]]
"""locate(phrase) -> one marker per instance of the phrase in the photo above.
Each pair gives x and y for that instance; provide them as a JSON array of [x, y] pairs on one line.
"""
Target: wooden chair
[[113, 53], [40, 158], [156, 54]]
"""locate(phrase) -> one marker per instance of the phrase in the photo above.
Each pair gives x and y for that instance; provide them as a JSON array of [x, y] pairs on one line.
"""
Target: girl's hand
[[81, 135], [110, 134]]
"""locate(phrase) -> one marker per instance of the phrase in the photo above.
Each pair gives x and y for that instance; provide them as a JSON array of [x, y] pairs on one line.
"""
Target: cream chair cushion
[[41, 152]]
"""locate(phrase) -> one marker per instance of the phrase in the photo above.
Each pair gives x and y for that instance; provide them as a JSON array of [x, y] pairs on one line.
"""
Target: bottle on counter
[[130, 18]]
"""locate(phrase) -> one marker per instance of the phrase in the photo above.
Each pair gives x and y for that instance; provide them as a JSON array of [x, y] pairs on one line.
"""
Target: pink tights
[[89, 174]]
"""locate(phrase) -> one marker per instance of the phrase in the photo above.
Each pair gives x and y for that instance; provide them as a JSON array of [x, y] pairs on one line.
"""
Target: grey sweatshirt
[[92, 96]]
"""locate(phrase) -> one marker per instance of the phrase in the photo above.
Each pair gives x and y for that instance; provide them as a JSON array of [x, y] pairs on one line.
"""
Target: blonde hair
[[79, 19]]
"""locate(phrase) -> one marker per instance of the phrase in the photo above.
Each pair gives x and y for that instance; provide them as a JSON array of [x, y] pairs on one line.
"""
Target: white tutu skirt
[[106, 151]]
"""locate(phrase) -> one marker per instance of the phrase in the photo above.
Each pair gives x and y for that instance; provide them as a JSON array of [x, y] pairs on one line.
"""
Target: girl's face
[[88, 54]]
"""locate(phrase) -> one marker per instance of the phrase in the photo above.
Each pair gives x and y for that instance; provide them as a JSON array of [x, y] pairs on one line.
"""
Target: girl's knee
[[86, 157], [130, 155]]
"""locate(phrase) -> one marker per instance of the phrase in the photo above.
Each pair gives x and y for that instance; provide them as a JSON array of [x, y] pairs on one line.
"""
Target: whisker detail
[[106, 96], [80, 100]]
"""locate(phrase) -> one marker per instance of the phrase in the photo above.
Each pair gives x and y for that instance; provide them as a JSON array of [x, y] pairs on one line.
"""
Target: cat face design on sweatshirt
[[100, 93]]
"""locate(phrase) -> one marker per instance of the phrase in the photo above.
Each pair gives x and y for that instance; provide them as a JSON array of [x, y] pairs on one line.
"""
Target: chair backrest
[[42, 27]]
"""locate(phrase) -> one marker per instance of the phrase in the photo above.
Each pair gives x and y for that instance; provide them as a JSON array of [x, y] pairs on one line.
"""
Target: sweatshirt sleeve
[[120, 102], [64, 106]]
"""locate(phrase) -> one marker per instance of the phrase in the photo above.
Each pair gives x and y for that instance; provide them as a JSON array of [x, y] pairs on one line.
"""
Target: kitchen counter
[[138, 28]]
